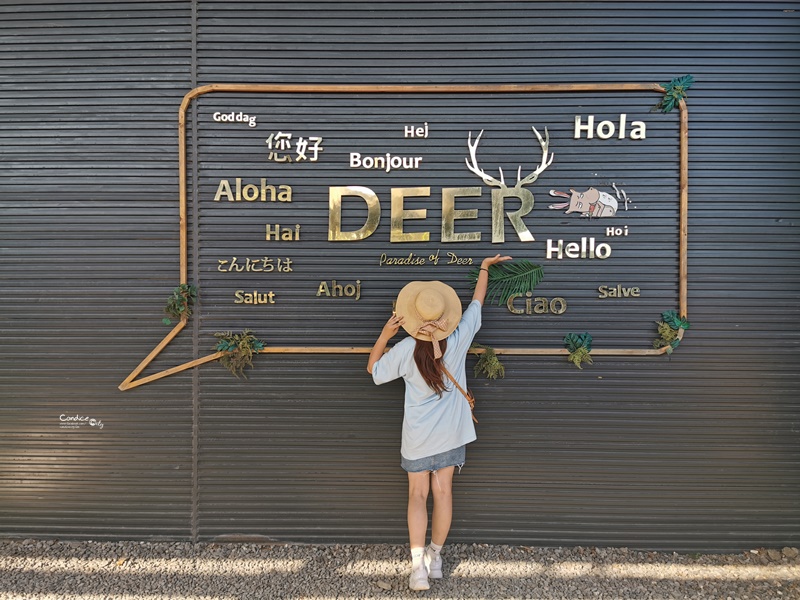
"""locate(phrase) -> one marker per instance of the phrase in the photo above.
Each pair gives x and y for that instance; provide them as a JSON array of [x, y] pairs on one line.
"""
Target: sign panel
[[313, 205]]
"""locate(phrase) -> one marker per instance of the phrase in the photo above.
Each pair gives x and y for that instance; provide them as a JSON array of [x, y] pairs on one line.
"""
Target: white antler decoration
[[501, 183]]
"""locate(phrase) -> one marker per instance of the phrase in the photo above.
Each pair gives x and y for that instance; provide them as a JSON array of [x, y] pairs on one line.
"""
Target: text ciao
[[536, 306]]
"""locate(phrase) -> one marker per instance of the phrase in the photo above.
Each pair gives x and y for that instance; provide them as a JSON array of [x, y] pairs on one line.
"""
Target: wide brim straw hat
[[422, 303]]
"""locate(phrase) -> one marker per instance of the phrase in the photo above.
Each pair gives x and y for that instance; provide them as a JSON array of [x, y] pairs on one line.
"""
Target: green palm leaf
[[508, 279], [674, 92]]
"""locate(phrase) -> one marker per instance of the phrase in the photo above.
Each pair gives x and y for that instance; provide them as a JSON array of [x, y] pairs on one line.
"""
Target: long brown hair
[[430, 368]]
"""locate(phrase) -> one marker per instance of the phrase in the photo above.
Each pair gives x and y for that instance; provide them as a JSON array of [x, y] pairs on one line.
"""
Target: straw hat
[[431, 311]]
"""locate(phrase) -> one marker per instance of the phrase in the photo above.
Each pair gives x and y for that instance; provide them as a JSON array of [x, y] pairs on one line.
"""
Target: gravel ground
[[45, 570]]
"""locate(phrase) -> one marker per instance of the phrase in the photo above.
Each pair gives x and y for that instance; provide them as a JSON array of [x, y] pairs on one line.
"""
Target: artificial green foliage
[[673, 320], [579, 347], [674, 91], [240, 349], [669, 326], [180, 303], [507, 279], [488, 363], [667, 336]]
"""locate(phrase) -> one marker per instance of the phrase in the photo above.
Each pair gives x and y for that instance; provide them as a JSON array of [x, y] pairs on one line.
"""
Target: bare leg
[[442, 504], [418, 487]]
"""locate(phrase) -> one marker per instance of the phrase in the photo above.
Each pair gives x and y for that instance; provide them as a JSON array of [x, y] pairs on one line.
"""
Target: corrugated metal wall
[[88, 96], [694, 451]]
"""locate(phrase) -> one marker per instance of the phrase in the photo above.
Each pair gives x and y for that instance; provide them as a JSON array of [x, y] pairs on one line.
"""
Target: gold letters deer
[[503, 191]]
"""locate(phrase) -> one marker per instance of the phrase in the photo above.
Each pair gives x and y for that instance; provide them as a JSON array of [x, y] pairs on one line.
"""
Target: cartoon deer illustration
[[591, 203], [502, 191]]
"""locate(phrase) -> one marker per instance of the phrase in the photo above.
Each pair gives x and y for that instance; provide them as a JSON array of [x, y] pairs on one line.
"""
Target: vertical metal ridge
[[195, 518]]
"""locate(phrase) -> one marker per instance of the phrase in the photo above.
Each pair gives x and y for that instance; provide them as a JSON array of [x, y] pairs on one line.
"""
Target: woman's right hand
[[493, 260], [392, 326], [483, 276]]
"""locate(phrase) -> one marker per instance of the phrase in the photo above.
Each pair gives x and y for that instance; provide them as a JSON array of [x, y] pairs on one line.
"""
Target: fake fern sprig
[[668, 330], [674, 92], [508, 279], [488, 363], [240, 349], [579, 347], [180, 303]]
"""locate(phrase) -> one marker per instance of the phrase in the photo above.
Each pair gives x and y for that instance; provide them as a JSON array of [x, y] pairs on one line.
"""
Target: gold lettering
[[399, 214], [250, 192], [285, 194], [338, 290], [267, 188], [452, 259], [410, 260], [526, 206], [450, 214], [556, 306], [542, 305], [256, 297], [274, 232], [285, 234], [335, 194], [224, 188], [512, 308]]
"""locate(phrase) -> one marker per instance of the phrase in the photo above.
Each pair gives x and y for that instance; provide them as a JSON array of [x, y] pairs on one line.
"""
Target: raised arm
[[483, 276], [388, 332]]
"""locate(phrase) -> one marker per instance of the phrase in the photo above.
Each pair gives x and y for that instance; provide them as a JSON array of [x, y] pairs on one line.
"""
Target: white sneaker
[[419, 579], [433, 563]]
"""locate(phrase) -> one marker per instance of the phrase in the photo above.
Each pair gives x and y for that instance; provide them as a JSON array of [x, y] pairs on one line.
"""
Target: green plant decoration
[[240, 349], [668, 328], [488, 363], [579, 347], [508, 279], [180, 303], [674, 91]]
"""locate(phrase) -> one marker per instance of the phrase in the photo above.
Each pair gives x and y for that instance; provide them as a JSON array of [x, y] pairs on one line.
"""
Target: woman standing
[[437, 422]]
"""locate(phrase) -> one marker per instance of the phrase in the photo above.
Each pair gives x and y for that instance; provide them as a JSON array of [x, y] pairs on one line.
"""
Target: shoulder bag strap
[[470, 398]]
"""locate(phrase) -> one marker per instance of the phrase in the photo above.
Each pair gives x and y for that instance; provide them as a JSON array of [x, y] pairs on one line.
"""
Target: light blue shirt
[[433, 424]]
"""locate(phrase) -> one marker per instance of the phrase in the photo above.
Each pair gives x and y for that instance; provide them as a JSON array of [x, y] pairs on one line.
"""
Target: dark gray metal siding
[[87, 121], [695, 451]]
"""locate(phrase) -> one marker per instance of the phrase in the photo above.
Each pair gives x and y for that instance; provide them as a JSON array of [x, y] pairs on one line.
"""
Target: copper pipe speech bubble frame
[[131, 381]]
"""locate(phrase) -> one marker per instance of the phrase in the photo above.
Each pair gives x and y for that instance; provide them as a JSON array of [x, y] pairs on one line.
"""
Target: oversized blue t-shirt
[[433, 424]]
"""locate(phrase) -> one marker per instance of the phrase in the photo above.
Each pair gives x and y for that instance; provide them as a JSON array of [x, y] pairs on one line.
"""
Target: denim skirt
[[450, 458]]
